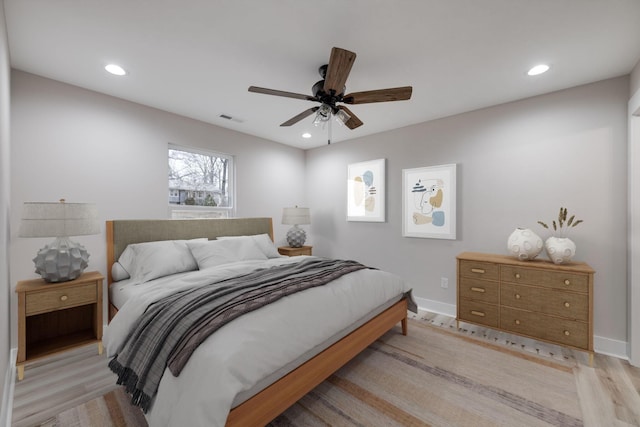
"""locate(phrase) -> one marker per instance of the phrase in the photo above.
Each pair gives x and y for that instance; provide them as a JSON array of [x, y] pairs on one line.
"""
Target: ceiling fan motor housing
[[318, 92]]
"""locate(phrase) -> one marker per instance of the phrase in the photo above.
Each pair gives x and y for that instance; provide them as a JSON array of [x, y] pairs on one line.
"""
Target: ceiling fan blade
[[296, 119], [380, 95], [281, 93], [353, 121], [340, 64]]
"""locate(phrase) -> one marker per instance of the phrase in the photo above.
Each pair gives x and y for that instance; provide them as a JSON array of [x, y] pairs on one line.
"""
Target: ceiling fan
[[331, 90]]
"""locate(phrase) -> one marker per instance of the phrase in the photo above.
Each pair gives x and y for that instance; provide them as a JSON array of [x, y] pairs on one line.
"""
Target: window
[[200, 183]]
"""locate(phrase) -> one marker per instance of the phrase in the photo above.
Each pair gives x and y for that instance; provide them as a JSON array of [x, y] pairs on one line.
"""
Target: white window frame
[[177, 211]]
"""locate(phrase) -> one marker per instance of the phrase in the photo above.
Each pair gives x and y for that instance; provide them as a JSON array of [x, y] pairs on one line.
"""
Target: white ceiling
[[197, 58]]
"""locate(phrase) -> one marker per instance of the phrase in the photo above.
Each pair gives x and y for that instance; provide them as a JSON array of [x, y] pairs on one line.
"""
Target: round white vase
[[560, 249], [524, 244]]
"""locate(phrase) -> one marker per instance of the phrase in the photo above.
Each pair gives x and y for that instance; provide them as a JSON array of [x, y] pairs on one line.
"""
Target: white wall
[[72, 143], [517, 163], [5, 288]]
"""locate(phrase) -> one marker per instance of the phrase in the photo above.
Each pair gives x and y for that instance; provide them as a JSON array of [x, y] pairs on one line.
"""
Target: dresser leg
[[20, 372], [591, 360], [100, 347]]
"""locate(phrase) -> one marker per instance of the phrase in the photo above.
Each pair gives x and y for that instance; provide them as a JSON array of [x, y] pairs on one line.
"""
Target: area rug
[[110, 410], [432, 377]]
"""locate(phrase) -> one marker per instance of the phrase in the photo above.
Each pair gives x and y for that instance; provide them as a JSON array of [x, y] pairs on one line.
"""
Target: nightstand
[[289, 251], [54, 317]]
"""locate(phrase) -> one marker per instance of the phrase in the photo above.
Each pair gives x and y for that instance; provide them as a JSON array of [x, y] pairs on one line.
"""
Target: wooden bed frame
[[276, 398]]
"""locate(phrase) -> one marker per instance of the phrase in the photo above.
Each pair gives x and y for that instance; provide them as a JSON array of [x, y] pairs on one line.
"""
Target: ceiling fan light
[[342, 117], [322, 115]]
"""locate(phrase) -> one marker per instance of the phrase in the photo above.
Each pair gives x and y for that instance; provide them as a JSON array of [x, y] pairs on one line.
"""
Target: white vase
[[560, 249], [524, 244]]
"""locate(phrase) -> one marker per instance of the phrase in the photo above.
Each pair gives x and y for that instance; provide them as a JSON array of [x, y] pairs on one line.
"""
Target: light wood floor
[[609, 391]]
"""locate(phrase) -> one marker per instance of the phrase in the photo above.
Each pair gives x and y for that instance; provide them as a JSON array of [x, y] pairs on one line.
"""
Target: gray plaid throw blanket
[[171, 328]]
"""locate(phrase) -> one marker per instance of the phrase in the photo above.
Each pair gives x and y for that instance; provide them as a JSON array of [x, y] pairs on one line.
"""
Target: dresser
[[54, 317], [537, 299]]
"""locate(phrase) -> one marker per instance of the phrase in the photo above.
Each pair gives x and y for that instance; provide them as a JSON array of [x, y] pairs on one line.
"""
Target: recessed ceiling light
[[115, 69], [306, 135], [538, 69]]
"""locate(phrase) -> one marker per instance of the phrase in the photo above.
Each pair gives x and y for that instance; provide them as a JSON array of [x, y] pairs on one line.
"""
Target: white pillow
[[150, 260], [118, 272], [218, 252], [263, 241]]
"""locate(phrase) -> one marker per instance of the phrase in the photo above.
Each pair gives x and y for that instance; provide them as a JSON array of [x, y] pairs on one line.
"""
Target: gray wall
[[5, 289], [517, 163], [72, 143]]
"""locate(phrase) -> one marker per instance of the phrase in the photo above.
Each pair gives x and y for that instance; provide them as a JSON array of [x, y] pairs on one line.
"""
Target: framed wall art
[[366, 191], [429, 202]]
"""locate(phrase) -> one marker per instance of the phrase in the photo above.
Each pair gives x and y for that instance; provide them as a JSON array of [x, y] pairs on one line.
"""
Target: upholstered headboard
[[121, 233]]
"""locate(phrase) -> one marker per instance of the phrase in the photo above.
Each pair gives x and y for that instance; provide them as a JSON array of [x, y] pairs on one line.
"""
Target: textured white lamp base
[[61, 261], [296, 237]]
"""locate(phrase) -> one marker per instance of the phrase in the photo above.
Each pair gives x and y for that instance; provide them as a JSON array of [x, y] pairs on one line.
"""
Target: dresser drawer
[[547, 278], [570, 305], [477, 289], [478, 312], [57, 299], [549, 328], [479, 270]]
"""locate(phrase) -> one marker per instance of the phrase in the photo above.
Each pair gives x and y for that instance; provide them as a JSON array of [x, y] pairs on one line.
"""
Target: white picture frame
[[366, 194], [429, 202]]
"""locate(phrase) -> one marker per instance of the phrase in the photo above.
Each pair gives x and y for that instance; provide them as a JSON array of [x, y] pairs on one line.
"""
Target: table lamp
[[296, 216], [63, 259]]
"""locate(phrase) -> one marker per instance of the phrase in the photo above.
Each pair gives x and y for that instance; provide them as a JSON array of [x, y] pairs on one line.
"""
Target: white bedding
[[240, 354]]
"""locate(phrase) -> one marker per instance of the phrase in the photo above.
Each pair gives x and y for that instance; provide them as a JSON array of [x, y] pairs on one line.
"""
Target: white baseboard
[[601, 345], [611, 347], [436, 306], [6, 411]]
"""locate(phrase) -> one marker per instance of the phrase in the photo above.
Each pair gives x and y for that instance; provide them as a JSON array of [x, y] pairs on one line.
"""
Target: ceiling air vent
[[233, 119]]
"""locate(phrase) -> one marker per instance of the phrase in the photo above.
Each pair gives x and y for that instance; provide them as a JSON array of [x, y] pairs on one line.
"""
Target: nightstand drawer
[[58, 299]]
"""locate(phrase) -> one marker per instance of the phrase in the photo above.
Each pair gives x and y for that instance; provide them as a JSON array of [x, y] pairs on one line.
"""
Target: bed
[[270, 394]]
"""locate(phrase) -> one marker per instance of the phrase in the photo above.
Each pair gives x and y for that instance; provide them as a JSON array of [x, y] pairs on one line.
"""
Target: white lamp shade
[[296, 216], [44, 219]]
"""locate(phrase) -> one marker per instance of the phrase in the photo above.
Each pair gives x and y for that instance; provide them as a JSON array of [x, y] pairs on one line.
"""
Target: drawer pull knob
[[567, 282], [517, 296], [63, 298], [477, 270], [517, 322], [517, 275], [566, 304], [481, 290], [567, 333], [477, 313]]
